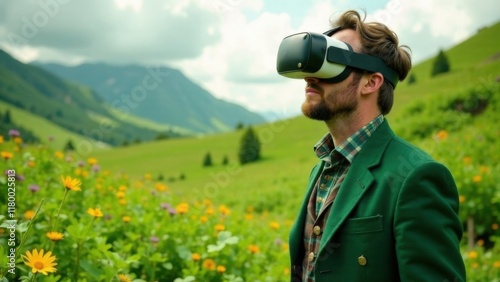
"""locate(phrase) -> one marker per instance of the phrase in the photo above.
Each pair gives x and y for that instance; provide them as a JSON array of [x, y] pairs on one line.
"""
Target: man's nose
[[311, 79]]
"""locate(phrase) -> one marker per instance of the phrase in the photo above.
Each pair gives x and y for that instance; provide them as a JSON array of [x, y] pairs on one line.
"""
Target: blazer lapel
[[357, 182]]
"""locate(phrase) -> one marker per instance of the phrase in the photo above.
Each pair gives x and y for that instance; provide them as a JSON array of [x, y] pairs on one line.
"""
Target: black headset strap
[[359, 61], [362, 61]]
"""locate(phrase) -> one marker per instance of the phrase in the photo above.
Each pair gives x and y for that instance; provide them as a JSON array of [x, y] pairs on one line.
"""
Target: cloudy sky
[[226, 46]]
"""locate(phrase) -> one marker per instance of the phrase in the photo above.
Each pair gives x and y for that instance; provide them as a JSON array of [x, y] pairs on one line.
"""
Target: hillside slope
[[161, 94], [68, 105]]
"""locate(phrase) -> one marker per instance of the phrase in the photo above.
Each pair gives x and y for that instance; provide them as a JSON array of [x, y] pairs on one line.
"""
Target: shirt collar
[[324, 149]]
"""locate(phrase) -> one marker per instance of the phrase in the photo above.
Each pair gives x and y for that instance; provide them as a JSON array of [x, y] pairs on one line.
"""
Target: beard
[[333, 105]]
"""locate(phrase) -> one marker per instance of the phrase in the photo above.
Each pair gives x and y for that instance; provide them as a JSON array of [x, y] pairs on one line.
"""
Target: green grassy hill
[[71, 106], [41, 127], [472, 61], [279, 179]]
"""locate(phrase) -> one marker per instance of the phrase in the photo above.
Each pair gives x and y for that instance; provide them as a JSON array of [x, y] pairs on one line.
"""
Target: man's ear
[[372, 82]]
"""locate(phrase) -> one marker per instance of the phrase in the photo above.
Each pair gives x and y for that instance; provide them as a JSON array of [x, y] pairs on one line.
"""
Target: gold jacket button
[[311, 256], [317, 230], [362, 260]]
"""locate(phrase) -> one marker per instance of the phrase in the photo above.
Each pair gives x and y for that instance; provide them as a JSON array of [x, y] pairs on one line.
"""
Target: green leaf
[[157, 257], [215, 248], [91, 269]]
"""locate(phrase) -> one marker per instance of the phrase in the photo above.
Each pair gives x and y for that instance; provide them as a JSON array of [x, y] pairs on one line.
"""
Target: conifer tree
[[207, 161], [249, 147], [441, 64]]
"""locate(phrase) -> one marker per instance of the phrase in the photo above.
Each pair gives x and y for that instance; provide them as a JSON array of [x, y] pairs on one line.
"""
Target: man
[[376, 208]]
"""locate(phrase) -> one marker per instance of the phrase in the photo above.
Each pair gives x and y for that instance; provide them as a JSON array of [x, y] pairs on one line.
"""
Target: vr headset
[[309, 54]]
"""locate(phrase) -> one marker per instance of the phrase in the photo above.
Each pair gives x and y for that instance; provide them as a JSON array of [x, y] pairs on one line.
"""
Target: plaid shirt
[[337, 162]]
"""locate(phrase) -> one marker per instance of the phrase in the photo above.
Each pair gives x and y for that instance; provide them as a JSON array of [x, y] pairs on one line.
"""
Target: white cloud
[[122, 31]]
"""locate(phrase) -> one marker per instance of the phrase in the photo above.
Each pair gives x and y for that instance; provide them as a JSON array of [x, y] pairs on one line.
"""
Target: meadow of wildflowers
[[69, 219], [78, 222]]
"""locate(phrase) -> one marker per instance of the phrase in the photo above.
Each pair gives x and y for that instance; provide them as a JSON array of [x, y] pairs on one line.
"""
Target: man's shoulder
[[400, 151]]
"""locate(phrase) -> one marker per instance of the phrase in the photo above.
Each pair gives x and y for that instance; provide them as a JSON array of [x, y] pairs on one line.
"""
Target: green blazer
[[395, 218]]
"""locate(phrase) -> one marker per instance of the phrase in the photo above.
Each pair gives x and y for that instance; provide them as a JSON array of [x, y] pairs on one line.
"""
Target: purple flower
[[165, 206], [34, 188], [81, 163], [172, 211], [19, 177], [96, 168], [278, 242], [14, 133], [51, 138], [154, 239]]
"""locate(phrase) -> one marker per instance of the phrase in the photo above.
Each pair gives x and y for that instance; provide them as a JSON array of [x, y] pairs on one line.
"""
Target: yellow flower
[[284, 247], [71, 183], [29, 214], [59, 154], [195, 256], [126, 219], [494, 226], [40, 262], [54, 235], [92, 161], [203, 219], [477, 178], [161, 187], [472, 255], [475, 265], [123, 278], [182, 208], [120, 194], [95, 212], [461, 199], [248, 216], [6, 155], [467, 160], [1, 139], [274, 225], [31, 164], [122, 188], [221, 269], [496, 264], [147, 176], [442, 135], [207, 202], [219, 227], [480, 242], [484, 169], [253, 249], [209, 264], [209, 211], [122, 202], [286, 271], [224, 210], [18, 140]]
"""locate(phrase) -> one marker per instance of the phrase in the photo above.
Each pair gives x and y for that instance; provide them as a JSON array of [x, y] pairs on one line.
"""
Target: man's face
[[325, 101]]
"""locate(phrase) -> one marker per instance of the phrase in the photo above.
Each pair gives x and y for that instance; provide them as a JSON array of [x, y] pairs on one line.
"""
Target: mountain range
[[160, 94], [116, 104]]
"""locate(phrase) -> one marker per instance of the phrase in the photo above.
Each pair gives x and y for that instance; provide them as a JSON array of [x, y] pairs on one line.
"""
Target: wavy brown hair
[[379, 41]]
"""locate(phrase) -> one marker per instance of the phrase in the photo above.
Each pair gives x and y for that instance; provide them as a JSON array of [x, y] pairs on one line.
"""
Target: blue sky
[[226, 46]]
